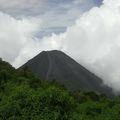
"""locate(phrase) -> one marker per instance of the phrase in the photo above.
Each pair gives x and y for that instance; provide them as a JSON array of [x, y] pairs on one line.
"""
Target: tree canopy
[[24, 96]]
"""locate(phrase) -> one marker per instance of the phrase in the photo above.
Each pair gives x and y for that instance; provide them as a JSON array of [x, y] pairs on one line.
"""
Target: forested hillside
[[23, 96]]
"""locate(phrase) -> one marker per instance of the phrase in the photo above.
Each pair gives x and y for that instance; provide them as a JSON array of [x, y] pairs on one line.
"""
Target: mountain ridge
[[56, 65]]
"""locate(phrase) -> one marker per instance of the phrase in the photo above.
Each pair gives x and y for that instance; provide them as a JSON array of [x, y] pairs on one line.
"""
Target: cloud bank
[[94, 41], [15, 35]]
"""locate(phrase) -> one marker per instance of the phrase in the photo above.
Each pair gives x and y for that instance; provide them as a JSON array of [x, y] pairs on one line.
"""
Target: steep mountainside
[[56, 65]]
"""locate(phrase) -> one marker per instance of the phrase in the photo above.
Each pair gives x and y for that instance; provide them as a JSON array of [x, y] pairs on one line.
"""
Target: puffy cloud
[[15, 34], [35, 46]]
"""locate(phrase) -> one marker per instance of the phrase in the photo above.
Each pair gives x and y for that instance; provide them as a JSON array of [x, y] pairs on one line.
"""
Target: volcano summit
[[56, 65]]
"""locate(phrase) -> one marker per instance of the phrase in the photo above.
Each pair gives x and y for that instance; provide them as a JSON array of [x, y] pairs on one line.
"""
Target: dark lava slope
[[56, 65]]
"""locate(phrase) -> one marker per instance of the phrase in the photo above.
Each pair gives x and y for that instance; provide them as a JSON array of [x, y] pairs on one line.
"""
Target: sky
[[55, 15], [87, 30], [27, 22]]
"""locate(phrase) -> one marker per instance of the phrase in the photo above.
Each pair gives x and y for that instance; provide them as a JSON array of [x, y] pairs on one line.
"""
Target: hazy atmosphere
[[87, 30]]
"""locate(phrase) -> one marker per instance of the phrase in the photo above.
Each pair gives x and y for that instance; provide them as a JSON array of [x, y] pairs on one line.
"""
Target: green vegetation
[[23, 96]]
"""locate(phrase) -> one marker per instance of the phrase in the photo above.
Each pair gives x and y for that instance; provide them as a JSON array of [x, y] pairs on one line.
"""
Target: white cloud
[[15, 34], [34, 47]]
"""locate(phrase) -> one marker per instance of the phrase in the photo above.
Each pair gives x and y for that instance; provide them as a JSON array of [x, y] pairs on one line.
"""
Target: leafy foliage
[[23, 96]]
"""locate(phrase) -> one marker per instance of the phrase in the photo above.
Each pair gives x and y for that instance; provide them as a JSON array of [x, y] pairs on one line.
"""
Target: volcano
[[56, 65]]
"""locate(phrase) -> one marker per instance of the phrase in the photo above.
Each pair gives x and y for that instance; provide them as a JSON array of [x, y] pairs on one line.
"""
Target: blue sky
[[98, 2]]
